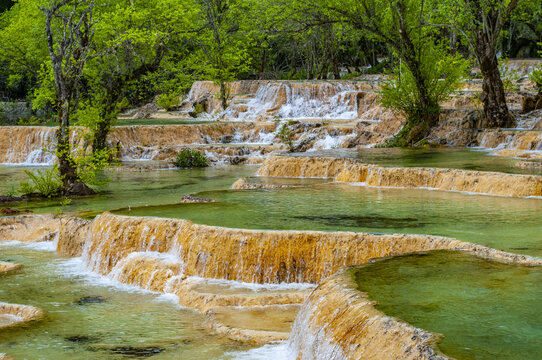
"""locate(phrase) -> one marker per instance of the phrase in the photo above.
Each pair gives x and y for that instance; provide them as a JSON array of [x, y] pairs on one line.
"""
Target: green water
[[128, 325], [134, 188], [453, 158], [485, 310], [510, 224]]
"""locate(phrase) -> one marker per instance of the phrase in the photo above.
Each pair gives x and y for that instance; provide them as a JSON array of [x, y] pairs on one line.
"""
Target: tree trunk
[[67, 169], [224, 95], [493, 96], [100, 136]]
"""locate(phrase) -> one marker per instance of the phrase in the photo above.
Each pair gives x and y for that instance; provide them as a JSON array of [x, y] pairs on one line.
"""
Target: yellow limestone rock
[[202, 294], [18, 142], [19, 314], [254, 255], [338, 322], [349, 171], [21, 144], [254, 324], [29, 228], [8, 267], [73, 233], [170, 135]]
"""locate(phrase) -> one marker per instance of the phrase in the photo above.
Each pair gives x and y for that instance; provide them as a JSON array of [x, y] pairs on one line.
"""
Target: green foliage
[[509, 76], [12, 192], [198, 109], [190, 158], [46, 183], [442, 73], [168, 101], [63, 204], [285, 134], [32, 121], [351, 75], [536, 77], [91, 167], [44, 94]]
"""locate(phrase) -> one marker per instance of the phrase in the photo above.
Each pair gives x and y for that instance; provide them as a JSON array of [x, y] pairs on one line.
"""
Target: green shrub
[[536, 77], [32, 121], [441, 74], [509, 76], [46, 182], [168, 101], [350, 75], [191, 158]]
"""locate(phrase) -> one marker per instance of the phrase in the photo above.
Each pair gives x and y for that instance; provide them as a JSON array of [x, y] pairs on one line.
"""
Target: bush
[[536, 77], [441, 74], [47, 183], [509, 76], [191, 158], [168, 101]]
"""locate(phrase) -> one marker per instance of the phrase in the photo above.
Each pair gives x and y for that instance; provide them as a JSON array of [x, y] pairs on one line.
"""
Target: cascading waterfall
[[288, 100], [27, 145], [523, 144], [34, 145]]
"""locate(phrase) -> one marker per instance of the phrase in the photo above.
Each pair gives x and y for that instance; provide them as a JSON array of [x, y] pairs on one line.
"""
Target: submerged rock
[[146, 351], [80, 339], [10, 211], [193, 199], [93, 299]]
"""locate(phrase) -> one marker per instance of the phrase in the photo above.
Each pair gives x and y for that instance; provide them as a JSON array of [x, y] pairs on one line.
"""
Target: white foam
[[278, 351], [75, 268], [253, 286], [41, 246]]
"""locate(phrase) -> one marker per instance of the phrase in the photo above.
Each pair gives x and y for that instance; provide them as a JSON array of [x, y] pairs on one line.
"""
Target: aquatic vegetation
[[189, 158]]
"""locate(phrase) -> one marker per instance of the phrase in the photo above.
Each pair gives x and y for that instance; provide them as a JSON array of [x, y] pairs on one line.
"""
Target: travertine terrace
[[349, 171], [337, 321]]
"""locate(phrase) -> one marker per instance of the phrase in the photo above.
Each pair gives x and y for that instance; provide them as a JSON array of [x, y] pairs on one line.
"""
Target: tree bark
[[496, 113], [67, 168], [223, 95]]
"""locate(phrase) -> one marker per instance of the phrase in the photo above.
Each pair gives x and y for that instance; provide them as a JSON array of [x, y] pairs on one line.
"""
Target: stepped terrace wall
[[349, 171]]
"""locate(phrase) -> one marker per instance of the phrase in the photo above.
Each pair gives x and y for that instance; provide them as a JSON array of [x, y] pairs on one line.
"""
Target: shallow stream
[[90, 317]]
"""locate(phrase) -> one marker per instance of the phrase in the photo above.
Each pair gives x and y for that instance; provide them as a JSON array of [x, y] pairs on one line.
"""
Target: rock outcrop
[[8, 267], [19, 314], [29, 228]]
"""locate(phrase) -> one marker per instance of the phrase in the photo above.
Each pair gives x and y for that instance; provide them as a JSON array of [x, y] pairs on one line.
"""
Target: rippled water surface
[[511, 224], [90, 318]]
